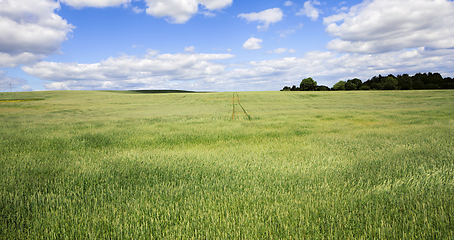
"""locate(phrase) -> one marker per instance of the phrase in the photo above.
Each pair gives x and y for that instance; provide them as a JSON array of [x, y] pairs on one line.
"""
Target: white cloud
[[286, 33], [215, 4], [342, 9], [222, 49], [6, 81], [137, 10], [386, 25], [288, 3], [282, 50], [189, 49], [63, 85], [209, 72], [310, 11], [13, 60], [180, 11], [279, 51], [149, 71], [266, 17], [327, 68], [335, 18], [208, 14], [94, 3], [30, 30], [26, 88], [252, 43]]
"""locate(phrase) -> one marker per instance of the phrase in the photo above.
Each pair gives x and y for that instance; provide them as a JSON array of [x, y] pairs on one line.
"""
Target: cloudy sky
[[218, 45]]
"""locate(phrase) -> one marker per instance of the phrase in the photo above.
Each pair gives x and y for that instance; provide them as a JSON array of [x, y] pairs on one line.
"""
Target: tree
[[321, 88], [357, 82], [308, 84], [418, 84], [434, 80], [376, 86], [404, 82], [373, 83], [448, 83], [339, 86], [419, 80], [350, 85], [389, 83]]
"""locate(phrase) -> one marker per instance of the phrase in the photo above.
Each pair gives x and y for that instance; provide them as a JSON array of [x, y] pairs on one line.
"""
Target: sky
[[218, 45]]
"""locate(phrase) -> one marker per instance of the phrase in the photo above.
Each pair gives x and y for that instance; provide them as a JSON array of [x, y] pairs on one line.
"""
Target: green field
[[306, 165]]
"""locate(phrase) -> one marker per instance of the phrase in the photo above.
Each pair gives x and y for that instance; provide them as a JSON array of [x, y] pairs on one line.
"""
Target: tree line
[[390, 82]]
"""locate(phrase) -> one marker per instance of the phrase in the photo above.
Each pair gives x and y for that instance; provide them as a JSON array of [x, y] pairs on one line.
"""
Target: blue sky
[[218, 45]]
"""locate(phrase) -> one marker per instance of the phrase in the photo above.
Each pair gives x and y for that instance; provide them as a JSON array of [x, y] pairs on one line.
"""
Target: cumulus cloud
[[13, 60], [26, 88], [30, 30], [137, 10], [327, 68], [210, 72], [94, 3], [215, 4], [309, 10], [286, 33], [385, 25], [6, 81], [189, 49], [180, 11], [288, 3], [252, 43], [278, 51], [149, 71], [265, 17], [282, 50]]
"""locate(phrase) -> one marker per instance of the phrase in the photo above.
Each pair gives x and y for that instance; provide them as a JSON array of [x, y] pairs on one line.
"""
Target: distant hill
[[158, 91]]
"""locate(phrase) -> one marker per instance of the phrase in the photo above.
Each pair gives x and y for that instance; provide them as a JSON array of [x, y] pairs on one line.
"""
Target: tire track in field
[[239, 103]]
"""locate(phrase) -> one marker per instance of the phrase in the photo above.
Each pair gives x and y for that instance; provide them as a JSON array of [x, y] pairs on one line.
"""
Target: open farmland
[[306, 165]]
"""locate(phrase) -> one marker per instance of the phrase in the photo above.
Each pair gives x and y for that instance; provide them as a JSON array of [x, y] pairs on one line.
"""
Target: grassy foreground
[[308, 165]]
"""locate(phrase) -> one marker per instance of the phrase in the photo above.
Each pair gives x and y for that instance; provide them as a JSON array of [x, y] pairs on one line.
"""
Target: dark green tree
[[418, 83], [448, 83], [389, 83], [358, 83], [376, 86], [322, 88], [404, 82], [350, 85], [308, 84], [339, 86], [419, 80], [434, 80]]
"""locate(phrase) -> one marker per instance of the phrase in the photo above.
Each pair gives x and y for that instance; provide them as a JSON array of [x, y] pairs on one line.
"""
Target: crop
[[298, 165]]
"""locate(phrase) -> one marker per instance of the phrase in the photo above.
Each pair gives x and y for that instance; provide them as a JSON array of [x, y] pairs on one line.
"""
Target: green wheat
[[325, 165]]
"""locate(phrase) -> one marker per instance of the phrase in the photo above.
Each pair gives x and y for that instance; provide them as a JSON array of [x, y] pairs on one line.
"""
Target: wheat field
[[247, 165]]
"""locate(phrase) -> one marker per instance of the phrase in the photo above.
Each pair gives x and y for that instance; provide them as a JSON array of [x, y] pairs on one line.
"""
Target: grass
[[307, 165]]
